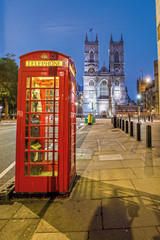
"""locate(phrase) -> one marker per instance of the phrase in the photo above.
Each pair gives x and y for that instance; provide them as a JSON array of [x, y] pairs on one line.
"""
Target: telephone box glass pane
[[26, 157], [41, 144], [26, 170], [42, 94], [56, 118], [27, 94], [42, 119], [28, 82], [41, 170], [26, 131], [27, 106], [36, 106], [56, 156], [42, 82], [57, 82], [35, 157], [26, 144], [27, 119], [48, 156]]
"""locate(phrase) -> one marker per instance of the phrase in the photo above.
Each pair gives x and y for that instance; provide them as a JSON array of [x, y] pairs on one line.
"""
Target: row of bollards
[[120, 124]]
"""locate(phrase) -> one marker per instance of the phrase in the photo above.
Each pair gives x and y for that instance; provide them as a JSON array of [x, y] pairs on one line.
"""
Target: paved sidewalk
[[116, 196]]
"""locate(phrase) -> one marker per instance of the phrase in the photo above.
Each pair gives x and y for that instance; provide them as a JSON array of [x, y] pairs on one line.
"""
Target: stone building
[[149, 94], [158, 45], [104, 88]]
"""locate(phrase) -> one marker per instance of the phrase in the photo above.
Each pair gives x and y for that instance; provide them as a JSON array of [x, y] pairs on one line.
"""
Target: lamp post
[[148, 80], [139, 98]]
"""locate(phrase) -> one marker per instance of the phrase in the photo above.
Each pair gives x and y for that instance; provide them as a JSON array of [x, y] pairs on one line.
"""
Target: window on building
[[91, 55], [116, 83], [116, 57], [91, 83], [91, 105], [91, 94], [103, 90]]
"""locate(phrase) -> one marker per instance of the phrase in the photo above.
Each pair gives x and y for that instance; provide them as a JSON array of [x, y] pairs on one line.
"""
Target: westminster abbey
[[104, 88]]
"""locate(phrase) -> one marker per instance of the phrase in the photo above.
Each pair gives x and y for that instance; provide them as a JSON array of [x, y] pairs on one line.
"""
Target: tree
[[8, 84]]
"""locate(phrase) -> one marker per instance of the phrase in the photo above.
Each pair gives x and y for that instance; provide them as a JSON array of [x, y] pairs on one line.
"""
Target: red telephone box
[[46, 123]]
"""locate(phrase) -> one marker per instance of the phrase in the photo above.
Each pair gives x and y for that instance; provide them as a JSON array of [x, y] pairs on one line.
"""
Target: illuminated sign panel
[[49, 63]]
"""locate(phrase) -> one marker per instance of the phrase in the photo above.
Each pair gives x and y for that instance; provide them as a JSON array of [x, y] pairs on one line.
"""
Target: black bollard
[[148, 136], [123, 124], [115, 122], [138, 132], [148, 118], [120, 123], [126, 126], [131, 129], [151, 118]]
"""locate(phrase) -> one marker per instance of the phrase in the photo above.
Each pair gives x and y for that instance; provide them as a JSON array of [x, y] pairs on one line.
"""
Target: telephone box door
[[39, 133]]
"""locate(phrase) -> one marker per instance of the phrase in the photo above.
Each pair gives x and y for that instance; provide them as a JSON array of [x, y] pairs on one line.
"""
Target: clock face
[[91, 70]]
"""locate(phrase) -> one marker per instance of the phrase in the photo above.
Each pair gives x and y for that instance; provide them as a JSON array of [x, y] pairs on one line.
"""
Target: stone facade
[[105, 87], [148, 92], [158, 44]]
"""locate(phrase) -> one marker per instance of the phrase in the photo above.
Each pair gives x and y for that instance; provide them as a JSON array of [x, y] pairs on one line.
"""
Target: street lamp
[[138, 96], [148, 79]]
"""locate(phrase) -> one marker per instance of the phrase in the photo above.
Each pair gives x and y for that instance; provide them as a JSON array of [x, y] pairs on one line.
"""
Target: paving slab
[[17, 229], [135, 163], [149, 186], [101, 152], [132, 156], [110, 157], [82, 164], [112, 189], [31, 208], [105, 148], [116, 174], [92, 175], [129, 212], [89, 144], [49, 236], [45, 227], [61, 236], [72, 216], [83, 155], [9, 209], [82, 191], [2, 223], [104, 165], [147, 172], [147, 233]]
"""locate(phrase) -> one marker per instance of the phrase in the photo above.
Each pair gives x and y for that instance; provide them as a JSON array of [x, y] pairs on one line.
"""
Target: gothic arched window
[[116, 83], [91, 83], [103, 90], [116, 57], [91, 55]]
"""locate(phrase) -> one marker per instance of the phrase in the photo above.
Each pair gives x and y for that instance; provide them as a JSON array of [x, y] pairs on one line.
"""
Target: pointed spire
[[121, 39], [111, 40], [96, 37], [86, 38]]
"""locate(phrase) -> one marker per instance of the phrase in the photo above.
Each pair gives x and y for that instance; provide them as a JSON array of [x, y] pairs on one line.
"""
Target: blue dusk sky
[[61, 26]]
